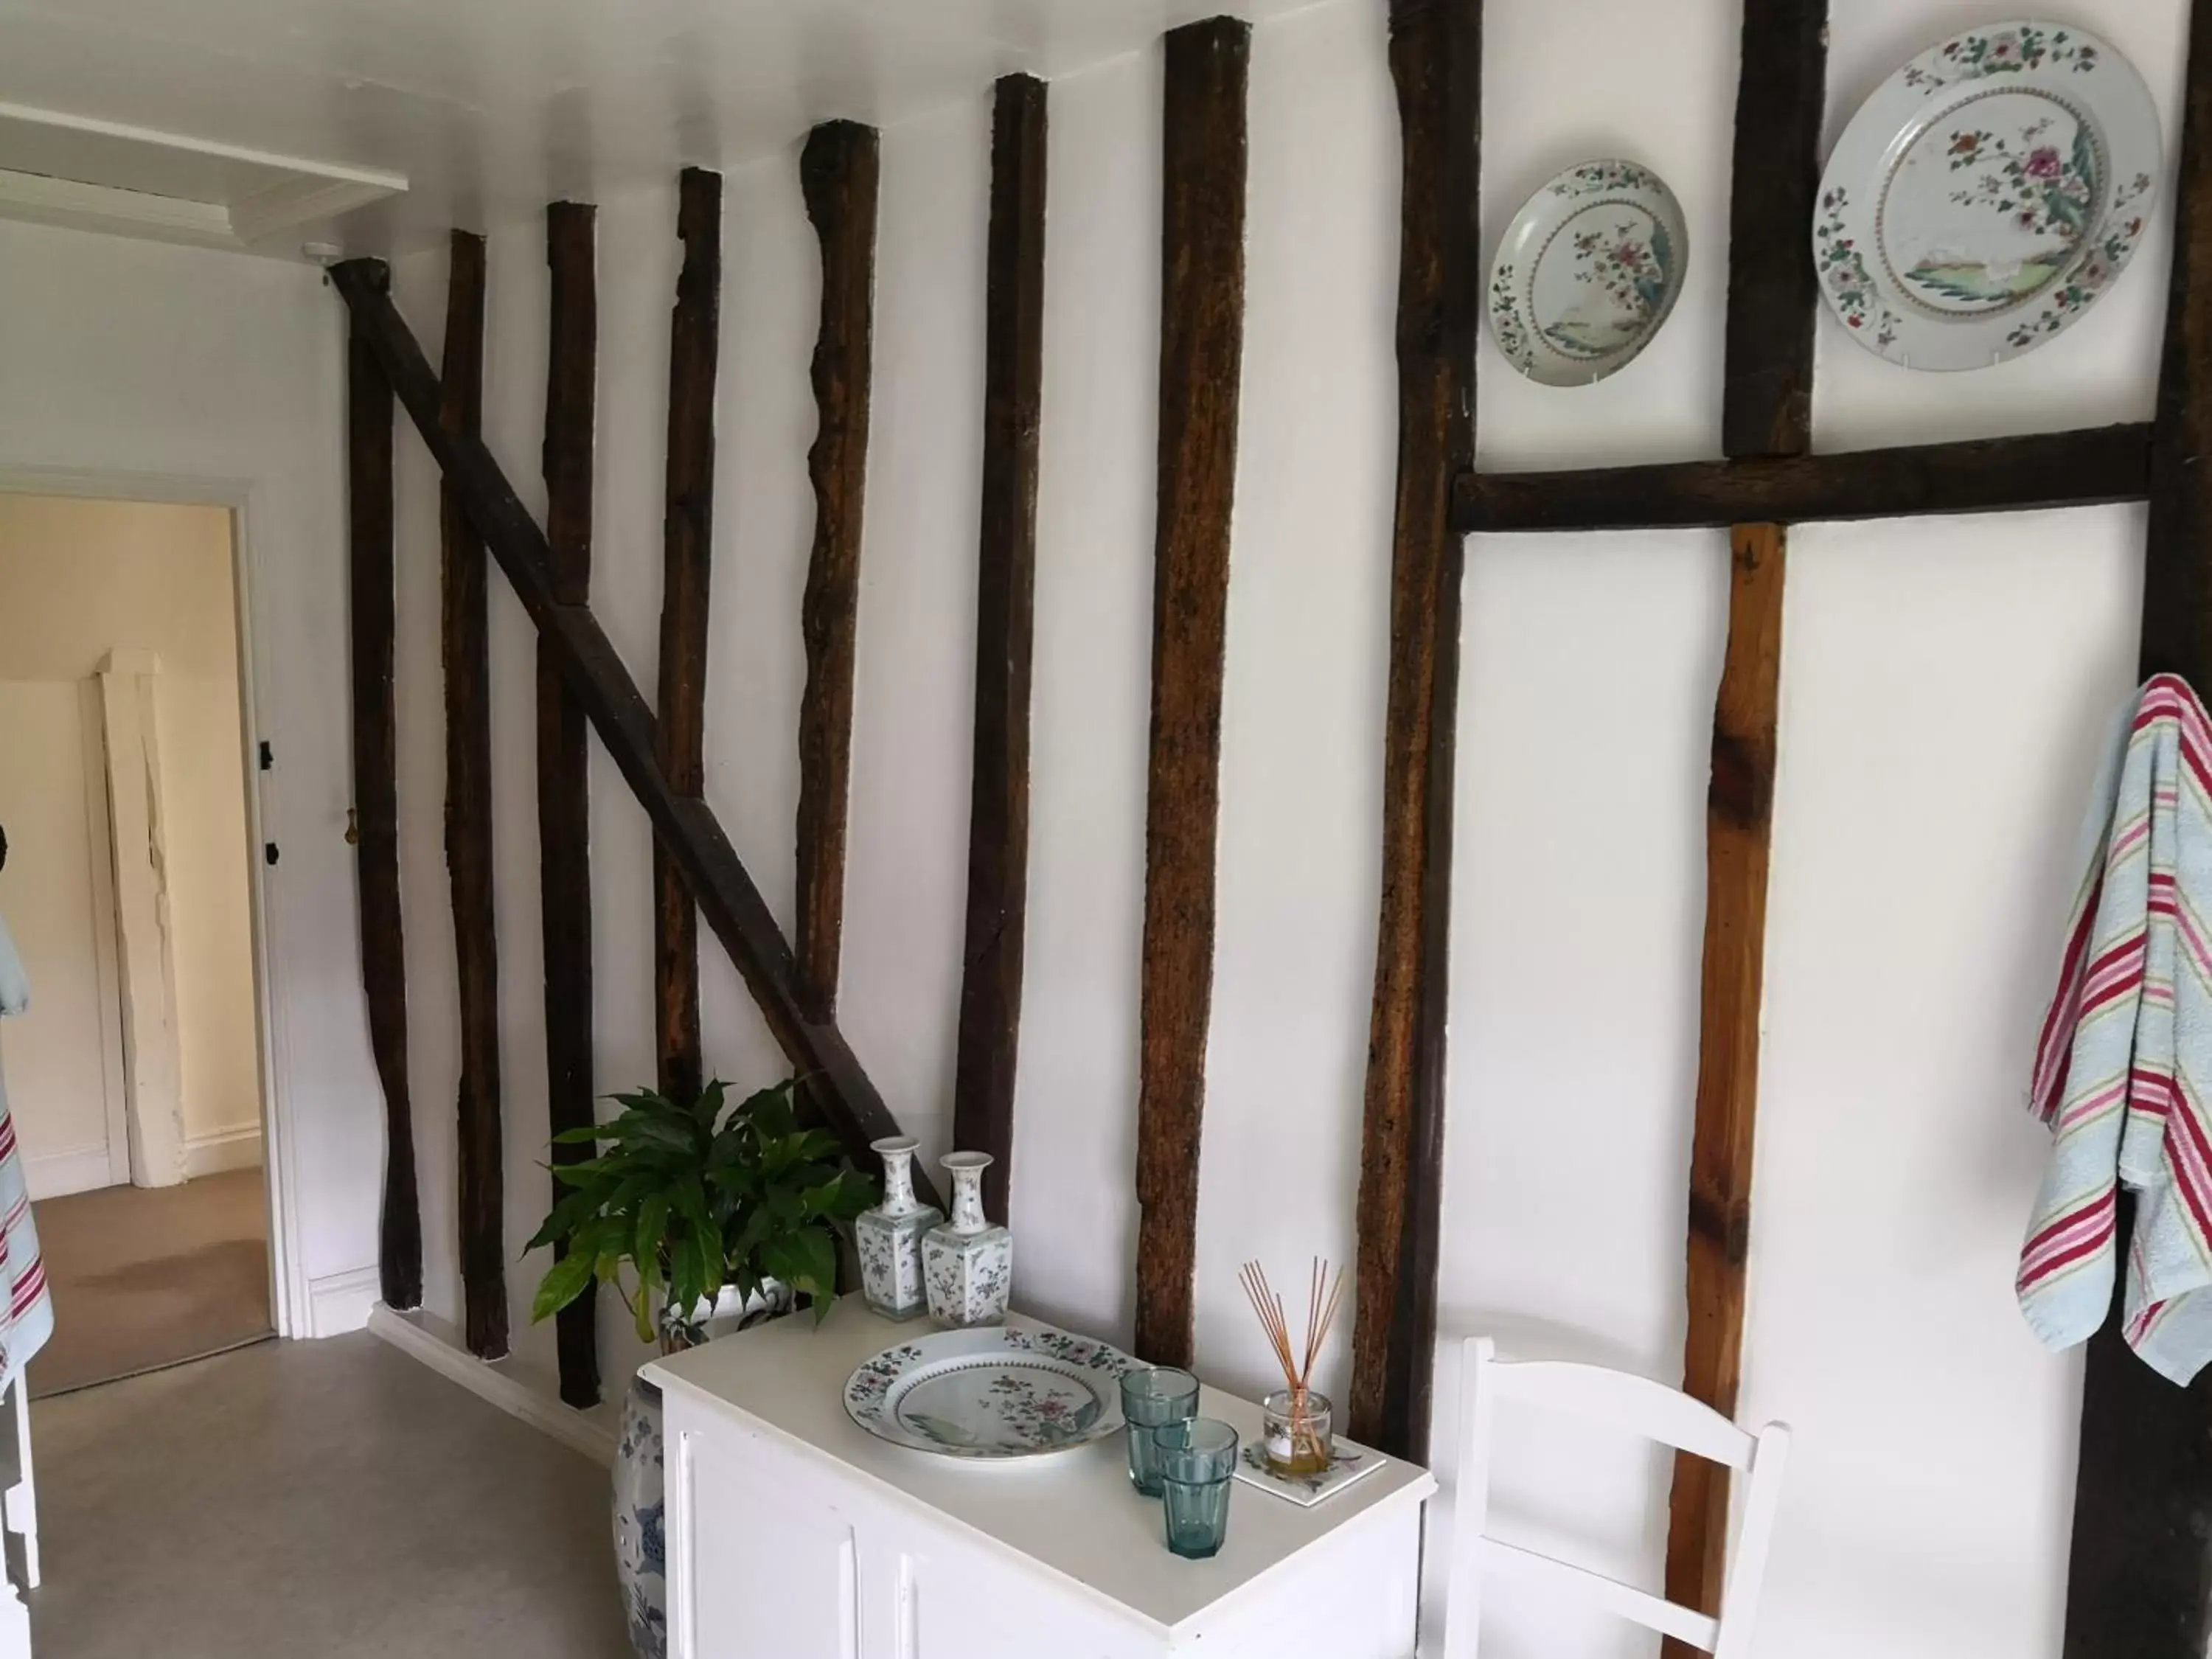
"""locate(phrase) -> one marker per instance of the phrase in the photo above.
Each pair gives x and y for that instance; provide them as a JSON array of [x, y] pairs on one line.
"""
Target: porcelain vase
[[889, 1237], [641, 1548], [967, 1262]]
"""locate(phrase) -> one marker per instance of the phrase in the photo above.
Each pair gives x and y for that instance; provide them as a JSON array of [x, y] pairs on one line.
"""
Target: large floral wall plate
[[1588, 271], [1985, 196]]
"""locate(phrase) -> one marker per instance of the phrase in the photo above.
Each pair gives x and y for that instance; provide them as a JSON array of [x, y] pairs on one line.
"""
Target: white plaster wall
[[1919, 846], [192, 374]]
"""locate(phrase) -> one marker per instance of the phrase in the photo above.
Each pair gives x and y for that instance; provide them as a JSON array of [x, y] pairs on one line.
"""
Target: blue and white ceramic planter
[[640, 1483], [641, 1548]]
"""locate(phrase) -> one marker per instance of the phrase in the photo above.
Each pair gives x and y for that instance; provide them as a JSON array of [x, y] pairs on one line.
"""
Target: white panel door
[[57, 1057]]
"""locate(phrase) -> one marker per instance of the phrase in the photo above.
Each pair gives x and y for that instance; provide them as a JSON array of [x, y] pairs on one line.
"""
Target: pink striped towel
[[2124, 1068], [29, 1319]]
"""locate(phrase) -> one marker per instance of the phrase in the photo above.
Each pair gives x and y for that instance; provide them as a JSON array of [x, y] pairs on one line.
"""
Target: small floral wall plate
[[1985, 196], [1007, 1392], [1588, 271], [1347, 1462]]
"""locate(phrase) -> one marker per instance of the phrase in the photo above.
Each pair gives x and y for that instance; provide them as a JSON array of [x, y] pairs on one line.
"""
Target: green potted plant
[[689, 1199], [681, 1202]]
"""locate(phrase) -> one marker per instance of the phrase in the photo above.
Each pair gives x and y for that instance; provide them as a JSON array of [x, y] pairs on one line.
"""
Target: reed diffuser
[[1296, 1435]]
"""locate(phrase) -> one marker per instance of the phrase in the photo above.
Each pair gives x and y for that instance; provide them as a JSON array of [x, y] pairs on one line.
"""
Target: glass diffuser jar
[[1295, 1438]]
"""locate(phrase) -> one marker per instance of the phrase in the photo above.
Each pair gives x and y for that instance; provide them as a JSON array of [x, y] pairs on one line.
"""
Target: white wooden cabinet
[[795, 1535]]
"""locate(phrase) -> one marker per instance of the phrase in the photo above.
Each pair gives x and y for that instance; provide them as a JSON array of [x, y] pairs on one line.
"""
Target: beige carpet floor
[[147, 1276], [332, 1499]]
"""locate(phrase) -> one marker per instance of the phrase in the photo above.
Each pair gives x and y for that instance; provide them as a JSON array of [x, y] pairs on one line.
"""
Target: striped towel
[[30, 1316], [2124, 1068]]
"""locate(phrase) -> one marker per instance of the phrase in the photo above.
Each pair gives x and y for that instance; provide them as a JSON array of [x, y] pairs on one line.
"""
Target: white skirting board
[[57, 1175], [515, 1388], [338, 1303], [223, 1150]]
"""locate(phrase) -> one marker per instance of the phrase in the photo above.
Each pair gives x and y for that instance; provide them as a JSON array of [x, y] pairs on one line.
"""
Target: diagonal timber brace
[[686, 827]]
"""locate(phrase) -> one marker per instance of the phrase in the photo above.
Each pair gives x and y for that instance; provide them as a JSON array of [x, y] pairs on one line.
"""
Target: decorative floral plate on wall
[[1986, 195], [1017, 1390], [1588, 271]]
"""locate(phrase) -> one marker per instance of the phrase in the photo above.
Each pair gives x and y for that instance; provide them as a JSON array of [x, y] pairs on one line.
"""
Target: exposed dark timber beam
[[468, 827], [688, 546], [1773, 299], [1005, 588], [724, 893], [2139, 1577], [1201, 355], [1739, 822], [565, 804], [2081, 468], [838, 171], [1436, 63], [376, 809]]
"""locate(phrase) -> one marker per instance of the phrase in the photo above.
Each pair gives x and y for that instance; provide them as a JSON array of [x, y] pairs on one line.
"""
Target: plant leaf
[[563, 1282]]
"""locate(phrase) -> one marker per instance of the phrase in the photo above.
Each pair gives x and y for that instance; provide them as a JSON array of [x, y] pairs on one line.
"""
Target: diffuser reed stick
[[1309, 1440]]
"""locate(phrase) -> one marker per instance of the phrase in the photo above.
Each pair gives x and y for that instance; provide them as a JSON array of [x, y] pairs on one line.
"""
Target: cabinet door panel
[[958, 1608], [774, 1573]]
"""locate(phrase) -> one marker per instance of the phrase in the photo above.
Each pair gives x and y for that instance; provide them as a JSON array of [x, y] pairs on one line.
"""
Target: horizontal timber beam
[[2086, 467], [687, 826]]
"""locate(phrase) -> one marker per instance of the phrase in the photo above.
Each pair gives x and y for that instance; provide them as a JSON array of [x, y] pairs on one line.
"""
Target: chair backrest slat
[[1648, 1408], [1609, 1595]]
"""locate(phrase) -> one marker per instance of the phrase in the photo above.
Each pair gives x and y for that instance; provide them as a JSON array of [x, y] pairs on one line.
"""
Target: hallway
[[148, 1276], [332, 1499]]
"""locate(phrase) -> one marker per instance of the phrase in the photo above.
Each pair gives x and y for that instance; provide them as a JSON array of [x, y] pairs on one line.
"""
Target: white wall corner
[[338, 1303], [506, 1383]]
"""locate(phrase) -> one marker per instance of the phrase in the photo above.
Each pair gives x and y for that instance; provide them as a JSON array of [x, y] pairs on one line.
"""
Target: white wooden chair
[[1648, 1408]]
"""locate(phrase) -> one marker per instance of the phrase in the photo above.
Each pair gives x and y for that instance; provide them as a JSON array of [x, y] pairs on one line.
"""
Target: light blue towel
[[15, 984]]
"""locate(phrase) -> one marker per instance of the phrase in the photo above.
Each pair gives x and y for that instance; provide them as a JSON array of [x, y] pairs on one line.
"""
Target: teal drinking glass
[[1149, 1398], [1196, 1461]]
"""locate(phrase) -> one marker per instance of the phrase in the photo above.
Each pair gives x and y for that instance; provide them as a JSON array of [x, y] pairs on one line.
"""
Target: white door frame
[[289, 1299]]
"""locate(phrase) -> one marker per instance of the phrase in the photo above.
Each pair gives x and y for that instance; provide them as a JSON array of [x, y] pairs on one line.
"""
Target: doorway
[[135, 1077]]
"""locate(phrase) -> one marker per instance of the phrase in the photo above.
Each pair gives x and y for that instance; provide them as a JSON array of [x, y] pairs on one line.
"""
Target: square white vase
[[968, 1263], [889, 1237]]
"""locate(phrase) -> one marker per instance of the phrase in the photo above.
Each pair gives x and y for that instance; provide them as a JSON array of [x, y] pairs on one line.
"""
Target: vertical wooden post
[[837, 173], [680, 713], [376, 807], [468, 826], [1201, 357], [1006, 589], [1767, 411], [564, 805], [728, 901], [2139, 1576], [1436, 62]]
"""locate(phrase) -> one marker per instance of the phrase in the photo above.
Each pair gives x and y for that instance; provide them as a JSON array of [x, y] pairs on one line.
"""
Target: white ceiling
[[492, 106]]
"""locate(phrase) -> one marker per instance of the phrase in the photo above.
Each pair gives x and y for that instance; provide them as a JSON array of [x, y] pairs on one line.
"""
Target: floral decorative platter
[[1588, 271], [1985, 194], [1011, 1391], [1347, 1462]]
